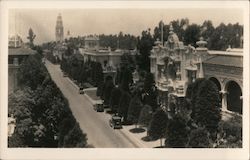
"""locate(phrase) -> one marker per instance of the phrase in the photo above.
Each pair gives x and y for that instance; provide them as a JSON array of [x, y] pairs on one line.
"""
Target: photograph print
[[125, 78]]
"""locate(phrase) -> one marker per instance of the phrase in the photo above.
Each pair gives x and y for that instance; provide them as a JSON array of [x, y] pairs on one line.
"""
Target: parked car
[[81, 90], [115, 122], [99, 107]]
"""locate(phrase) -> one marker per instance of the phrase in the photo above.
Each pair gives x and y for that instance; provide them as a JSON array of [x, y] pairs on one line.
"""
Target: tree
[[99, 74], [157, 32], [192, 94], [158, 125], [124, 105], [115, 99], [39, 109], [218, 38], [145, 116], [177, 133], [75, 138], [31, 67], [100, 90], [31, 38], [150, 95], [135, 106], [126, 79], [108, 87], [145, 46], [207, 30], [192, 34], [199, 138], [207, 110]]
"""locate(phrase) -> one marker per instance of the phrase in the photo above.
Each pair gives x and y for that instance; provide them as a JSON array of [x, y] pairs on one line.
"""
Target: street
[[95, 124]]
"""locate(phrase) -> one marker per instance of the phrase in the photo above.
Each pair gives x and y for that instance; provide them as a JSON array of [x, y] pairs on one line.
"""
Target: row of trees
[[218, 38], [83, 72], [42, 113], [197, 122], [114, 41], [122, 41]]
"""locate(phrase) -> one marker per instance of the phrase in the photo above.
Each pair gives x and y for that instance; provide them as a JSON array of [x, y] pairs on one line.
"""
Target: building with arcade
[[175, 65]]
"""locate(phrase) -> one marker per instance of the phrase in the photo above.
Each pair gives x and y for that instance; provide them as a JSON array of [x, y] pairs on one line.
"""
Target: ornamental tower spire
[[59, 28]]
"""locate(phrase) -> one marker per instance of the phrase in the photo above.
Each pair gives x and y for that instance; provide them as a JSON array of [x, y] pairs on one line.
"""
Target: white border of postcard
[[119, 154]]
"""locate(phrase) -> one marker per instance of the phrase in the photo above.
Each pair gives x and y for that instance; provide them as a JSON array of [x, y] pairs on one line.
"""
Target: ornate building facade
[[59, 32], [110, 60], [175, 66]]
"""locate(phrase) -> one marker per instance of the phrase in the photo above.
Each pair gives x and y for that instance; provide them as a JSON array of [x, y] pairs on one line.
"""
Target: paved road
[[95, 124]]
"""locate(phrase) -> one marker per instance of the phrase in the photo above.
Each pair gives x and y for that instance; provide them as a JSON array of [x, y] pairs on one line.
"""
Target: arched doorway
[[217, 83], [234, 93]]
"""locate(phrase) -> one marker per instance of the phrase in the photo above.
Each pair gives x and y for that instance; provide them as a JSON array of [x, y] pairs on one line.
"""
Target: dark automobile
[[99, 107], [115, 122], [81, 90]]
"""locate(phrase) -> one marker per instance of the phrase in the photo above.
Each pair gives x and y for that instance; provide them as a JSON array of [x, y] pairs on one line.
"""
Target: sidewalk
[[134, 137]]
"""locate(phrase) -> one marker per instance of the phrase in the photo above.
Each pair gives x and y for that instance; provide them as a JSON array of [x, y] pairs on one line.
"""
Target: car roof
[[116, 118]]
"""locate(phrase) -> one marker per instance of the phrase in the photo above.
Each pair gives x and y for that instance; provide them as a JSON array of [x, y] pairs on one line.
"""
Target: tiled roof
[[226, 60], [21, 51]]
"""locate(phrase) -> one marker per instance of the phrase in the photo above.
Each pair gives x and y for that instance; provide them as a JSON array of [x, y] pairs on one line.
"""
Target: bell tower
[[59, 29]]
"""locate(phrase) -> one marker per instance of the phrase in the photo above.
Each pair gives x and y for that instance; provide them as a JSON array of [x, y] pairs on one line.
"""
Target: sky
[[82, 22]]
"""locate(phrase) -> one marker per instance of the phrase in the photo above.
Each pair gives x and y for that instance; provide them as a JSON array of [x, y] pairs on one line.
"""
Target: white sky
[[109, 21]]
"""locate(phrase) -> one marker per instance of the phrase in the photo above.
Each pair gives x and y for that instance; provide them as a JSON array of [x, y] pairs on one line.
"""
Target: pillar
[[223, 100]]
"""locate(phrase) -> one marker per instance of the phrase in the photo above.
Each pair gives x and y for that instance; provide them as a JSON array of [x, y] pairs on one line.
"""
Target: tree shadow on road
[[127, 123], [137, 130], [148, 139], [159, 147]]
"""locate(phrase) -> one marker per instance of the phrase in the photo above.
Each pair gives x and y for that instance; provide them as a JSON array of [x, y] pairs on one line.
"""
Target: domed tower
[[59, 29]]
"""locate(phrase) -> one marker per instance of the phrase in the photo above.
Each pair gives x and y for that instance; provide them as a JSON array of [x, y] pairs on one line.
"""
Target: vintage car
[[98, 107], [115, 122], [81, 90]]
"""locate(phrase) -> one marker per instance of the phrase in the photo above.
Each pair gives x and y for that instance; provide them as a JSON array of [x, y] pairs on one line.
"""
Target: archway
[[234, 93], [217, 83]]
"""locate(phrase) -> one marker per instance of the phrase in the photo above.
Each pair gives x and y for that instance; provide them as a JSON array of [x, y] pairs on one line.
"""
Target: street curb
[[93, 102], [135, 141]]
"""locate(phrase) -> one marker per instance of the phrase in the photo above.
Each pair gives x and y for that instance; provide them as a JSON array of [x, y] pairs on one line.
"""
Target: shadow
[[105, 106], [109, 111], [137, 130], [159, 147], [148, 139], [127, 123]]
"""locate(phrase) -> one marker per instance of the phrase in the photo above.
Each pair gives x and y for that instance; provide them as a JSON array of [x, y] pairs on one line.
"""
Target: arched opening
[[234, 93], [217, 83]]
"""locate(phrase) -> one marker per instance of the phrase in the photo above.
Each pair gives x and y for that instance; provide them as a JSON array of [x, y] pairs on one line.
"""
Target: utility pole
[[162, 33]]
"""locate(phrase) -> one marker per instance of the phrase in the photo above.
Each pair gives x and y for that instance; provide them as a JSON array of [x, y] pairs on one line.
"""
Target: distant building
[[17, 54], [175, 66], [110, 60], [59, 29]]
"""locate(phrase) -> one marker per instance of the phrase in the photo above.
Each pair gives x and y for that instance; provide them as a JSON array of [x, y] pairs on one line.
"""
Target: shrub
[[145, 116], [207, 109], [135, 106], [199, 138], [158, 124], [124, 105], [177, 133], [231, 133]]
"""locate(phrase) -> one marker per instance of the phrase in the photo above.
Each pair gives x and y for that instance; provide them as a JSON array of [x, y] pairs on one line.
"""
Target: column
[[223, 100]]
